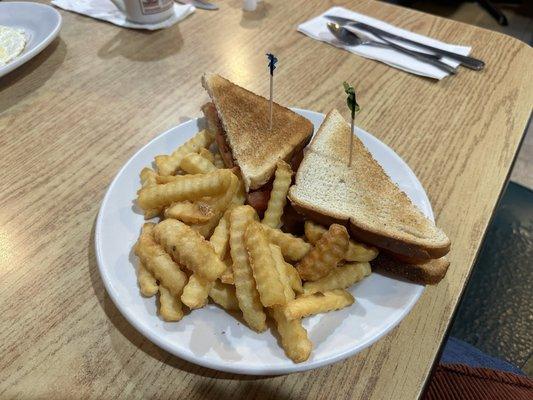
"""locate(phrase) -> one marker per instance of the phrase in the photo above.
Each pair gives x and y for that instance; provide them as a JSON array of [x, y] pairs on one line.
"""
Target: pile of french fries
[[209, 245]]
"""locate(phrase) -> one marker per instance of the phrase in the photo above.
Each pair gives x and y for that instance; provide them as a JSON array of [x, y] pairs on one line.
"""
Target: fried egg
[[12, 42]]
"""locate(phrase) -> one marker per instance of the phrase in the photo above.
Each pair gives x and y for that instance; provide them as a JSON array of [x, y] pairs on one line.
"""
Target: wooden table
[[74, 114]]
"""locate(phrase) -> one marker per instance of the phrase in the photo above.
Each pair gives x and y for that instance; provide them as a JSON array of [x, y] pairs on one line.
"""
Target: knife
[[468, 62]]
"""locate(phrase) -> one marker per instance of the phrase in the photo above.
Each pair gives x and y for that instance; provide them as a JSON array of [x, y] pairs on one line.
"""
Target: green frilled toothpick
[[353, 106], [272, 60]]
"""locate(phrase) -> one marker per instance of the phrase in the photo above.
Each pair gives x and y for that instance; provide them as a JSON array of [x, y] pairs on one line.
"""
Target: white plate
[[41, 24], [211, 337]]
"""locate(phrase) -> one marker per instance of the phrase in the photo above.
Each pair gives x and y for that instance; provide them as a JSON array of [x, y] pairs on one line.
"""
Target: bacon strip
[[214, 125]]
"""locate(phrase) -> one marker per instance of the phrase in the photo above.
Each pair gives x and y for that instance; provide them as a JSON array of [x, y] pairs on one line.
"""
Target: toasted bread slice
[[428, 273], [245, 119], [362, 196]]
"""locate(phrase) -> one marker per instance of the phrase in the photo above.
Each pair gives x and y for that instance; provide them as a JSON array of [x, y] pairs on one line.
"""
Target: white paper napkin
[[105, 10], [317, 29]]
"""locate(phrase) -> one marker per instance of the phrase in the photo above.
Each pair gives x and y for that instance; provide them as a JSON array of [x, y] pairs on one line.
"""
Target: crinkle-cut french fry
[[294, 339], [152, 213], [167, 165], [147, 282], [281, 267], [247, 294], [294, 278], [197, 289], [329, 250], [219, 162], [169, 305], [267, 279], [357, 252], [206, 228], [317, 303], [220, 237], [195, 292], [339, 278], [227, 276], [224, 295], [158, 262], [207, 155], [278, 195], [190, 213], [149, 178], [194, 163], [161, 179], [239, 196], [189, 248], [293, 248], [313, 231], [185, 187], [219, 204]]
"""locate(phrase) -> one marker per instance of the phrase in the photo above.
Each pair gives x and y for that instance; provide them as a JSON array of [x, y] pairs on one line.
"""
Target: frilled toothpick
[[353, 106], [272, 60]]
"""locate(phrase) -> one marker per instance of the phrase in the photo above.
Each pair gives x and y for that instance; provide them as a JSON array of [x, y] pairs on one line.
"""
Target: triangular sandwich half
[[247, 141], [362, 197]]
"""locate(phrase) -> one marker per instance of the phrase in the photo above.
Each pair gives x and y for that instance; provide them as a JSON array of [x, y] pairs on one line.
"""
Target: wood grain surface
[[72, 116]]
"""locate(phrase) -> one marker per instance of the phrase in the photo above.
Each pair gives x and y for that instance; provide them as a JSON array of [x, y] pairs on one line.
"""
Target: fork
[[353, 38]]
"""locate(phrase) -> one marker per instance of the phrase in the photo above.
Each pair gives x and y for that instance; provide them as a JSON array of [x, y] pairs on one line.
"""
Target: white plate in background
[[41, 24], [210, 336]]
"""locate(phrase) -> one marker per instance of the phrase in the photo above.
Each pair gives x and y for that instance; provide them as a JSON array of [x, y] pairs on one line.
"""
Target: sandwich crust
[[429, 273]]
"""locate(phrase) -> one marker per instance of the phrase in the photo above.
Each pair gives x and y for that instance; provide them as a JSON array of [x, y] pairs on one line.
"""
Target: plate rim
[[27, 56], [227, 367]]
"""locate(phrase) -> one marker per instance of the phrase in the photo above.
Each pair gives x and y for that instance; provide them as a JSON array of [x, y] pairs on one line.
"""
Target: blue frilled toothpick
[[272, 60], [353, 106]]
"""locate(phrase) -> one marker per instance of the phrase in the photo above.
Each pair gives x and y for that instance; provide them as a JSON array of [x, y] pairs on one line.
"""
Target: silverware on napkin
[[469, 62], [355, 39], [204, 5]]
